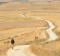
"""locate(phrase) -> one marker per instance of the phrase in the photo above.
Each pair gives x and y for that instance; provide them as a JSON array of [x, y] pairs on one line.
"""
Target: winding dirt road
[[21, 50], [50, 32], [52, 35]]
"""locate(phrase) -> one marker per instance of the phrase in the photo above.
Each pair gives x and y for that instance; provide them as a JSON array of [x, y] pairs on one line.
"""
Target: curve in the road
[[20, 50], [52, 35], [50, 32]]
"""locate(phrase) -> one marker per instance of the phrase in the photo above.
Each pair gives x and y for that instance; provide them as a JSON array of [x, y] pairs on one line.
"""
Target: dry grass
[[40, 51], [10, 25]]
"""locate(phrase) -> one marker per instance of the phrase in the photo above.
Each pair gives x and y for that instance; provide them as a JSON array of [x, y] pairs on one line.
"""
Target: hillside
[[20, 20]]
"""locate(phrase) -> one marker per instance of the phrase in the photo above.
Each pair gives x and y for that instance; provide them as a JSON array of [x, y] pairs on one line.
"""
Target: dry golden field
[[25, 28]]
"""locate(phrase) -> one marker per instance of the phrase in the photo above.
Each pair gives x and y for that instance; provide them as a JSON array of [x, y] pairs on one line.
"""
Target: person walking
[[12, 42]]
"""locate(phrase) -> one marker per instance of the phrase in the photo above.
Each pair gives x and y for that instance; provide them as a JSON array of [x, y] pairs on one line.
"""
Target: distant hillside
[[15, 5], [29, 5], [44, 0], [3, 3]]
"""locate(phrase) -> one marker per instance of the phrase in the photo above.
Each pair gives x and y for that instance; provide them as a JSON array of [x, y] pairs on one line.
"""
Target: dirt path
[[52, 35], [19, 51]]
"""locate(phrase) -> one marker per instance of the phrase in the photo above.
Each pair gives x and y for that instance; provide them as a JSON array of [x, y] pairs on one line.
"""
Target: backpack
[[12, 41]]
